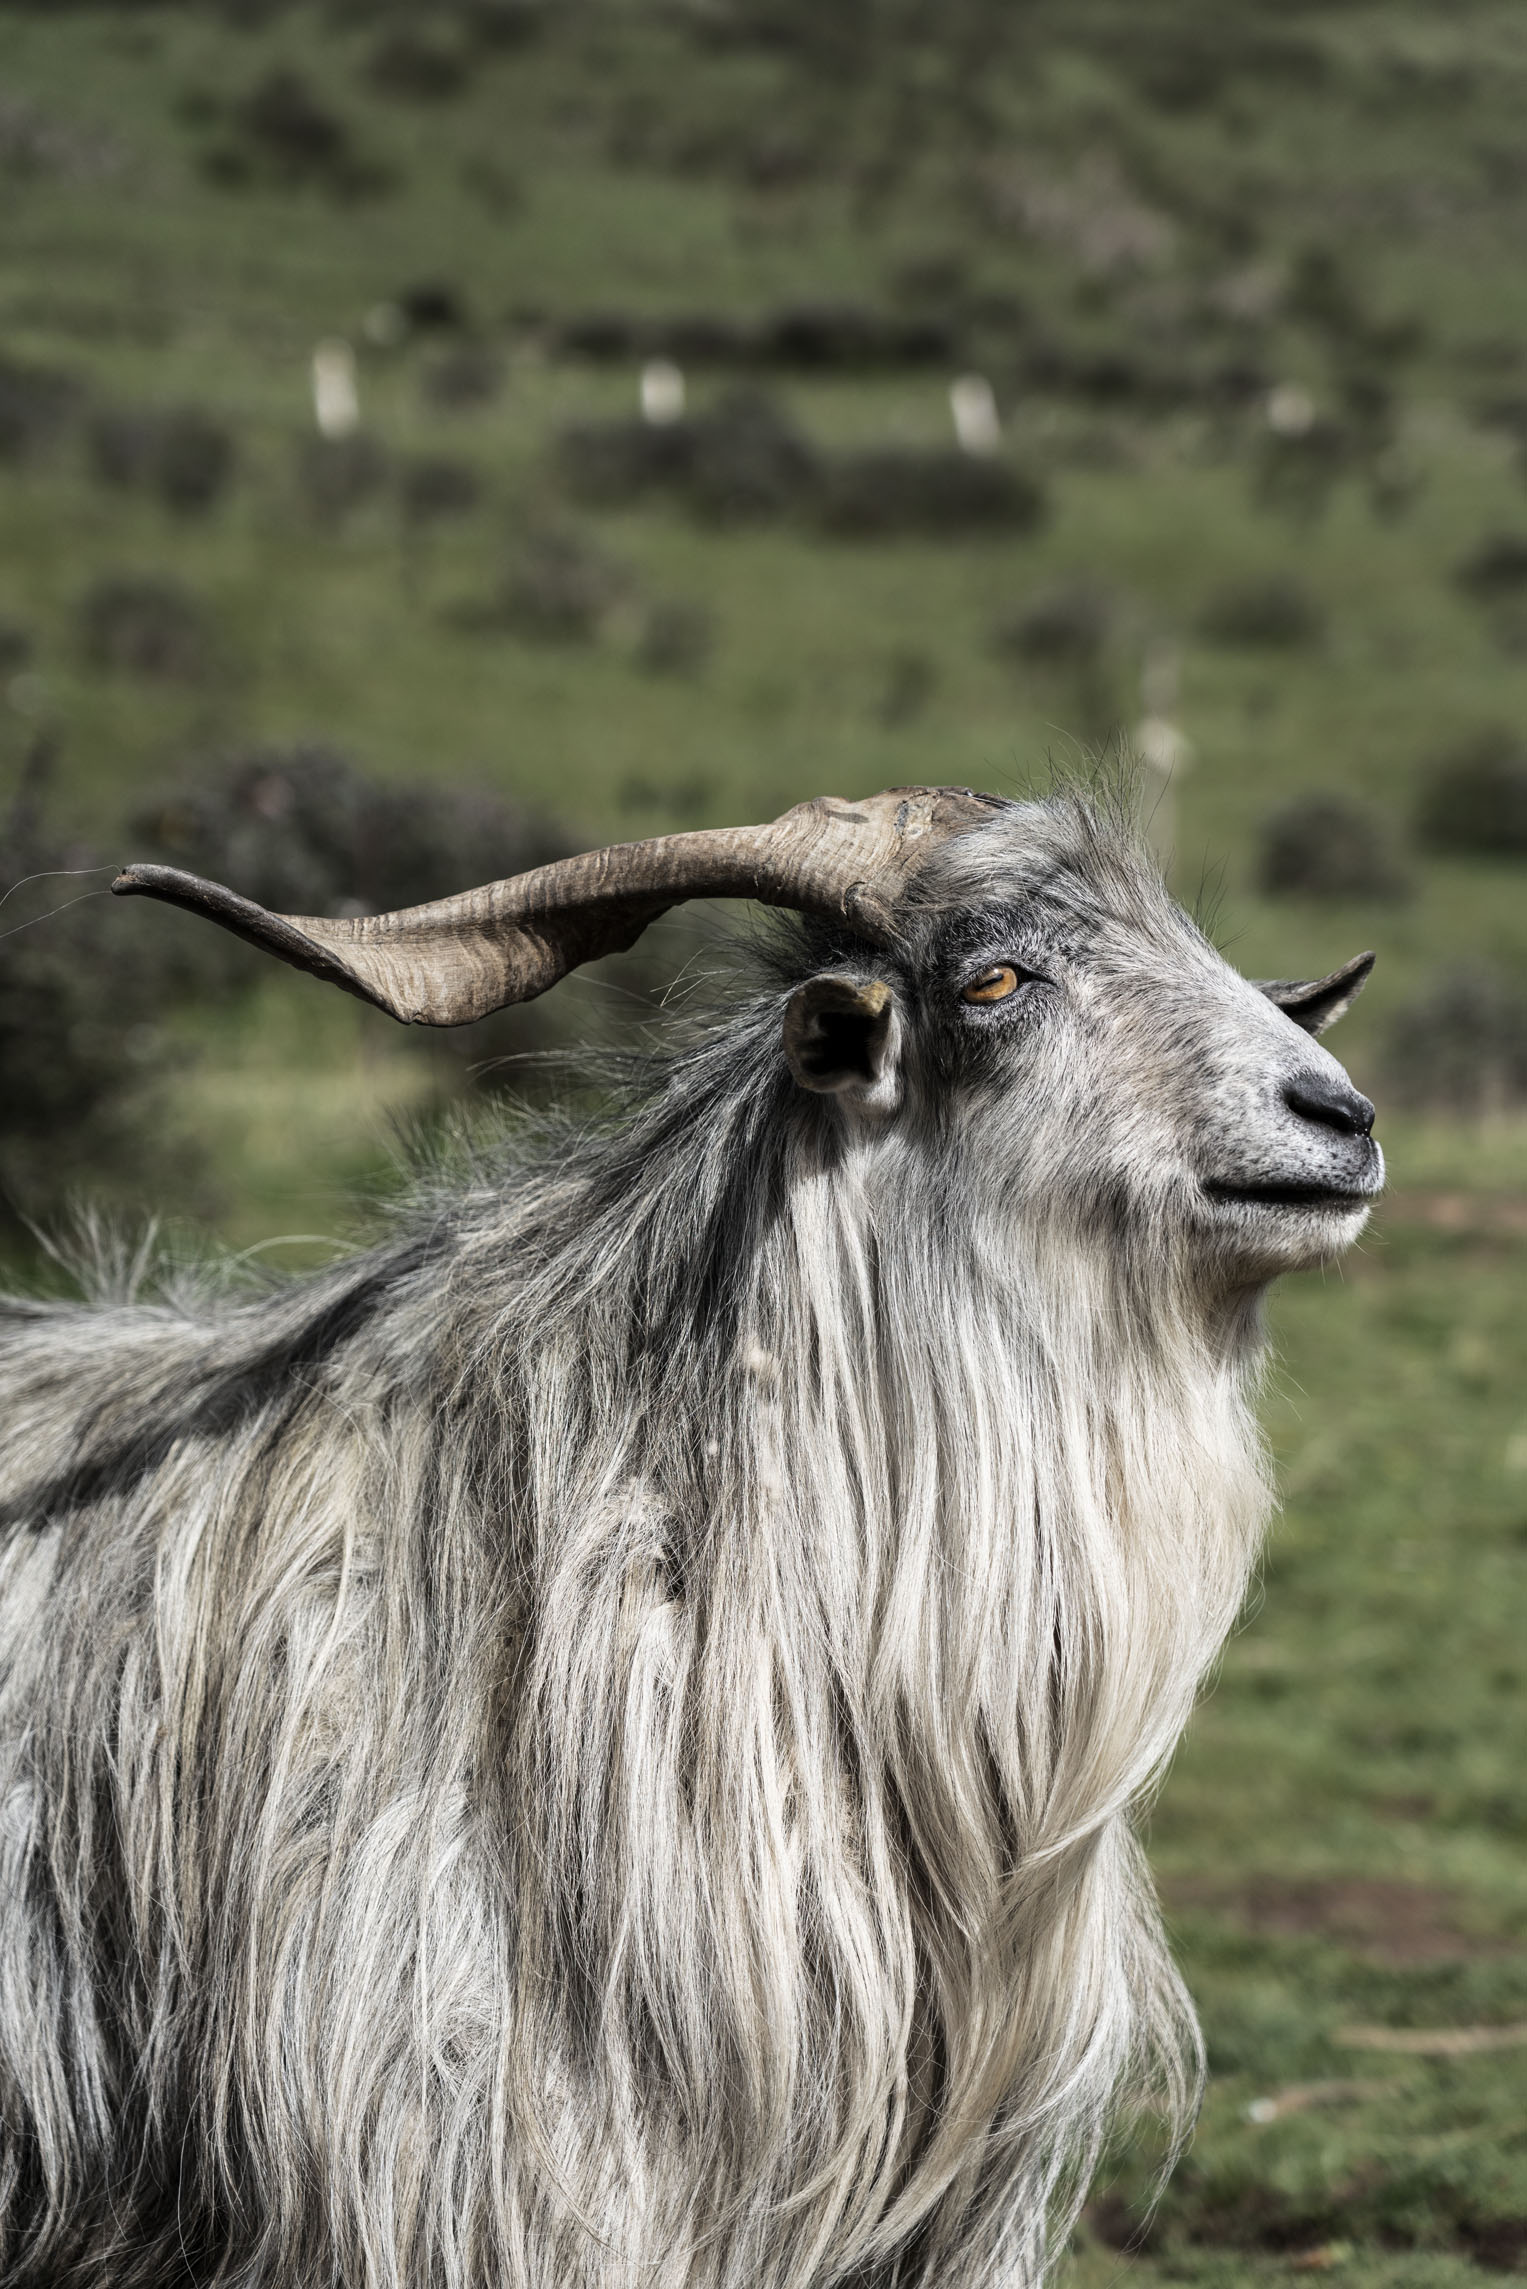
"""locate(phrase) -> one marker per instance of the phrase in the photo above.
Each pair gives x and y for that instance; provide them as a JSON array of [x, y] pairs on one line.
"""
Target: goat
[[595, 1744]]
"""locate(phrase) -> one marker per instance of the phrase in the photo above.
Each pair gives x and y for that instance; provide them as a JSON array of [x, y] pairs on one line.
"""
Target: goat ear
[[842, 1038], [1316, 1003]]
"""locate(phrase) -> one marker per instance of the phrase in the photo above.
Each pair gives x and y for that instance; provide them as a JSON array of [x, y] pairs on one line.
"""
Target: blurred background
[[434, 439]]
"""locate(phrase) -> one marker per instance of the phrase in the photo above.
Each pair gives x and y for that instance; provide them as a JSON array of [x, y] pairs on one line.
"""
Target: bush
[[282, 132], [1326, 847], [434, 486], [825, 337], [557, 590], [611, 463], [502, 23], [184, 456], [432, 306], [1277, 613], [302, 830], [1495, 570], [850, 337], [35, 404], [420, 66], [1463, 1046], [745, 459], [749, 460], [742, 459], [336, 474], [891, 490], [1475, 798], [145, 625], [1066, 627], [71, 1051], [16, 646]]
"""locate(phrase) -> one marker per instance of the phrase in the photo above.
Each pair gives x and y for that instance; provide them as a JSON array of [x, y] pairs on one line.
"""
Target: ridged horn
[[459, 958]]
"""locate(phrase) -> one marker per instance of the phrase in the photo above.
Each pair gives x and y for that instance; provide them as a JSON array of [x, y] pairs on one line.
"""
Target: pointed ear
[[1316, 1003], [842, 1038]]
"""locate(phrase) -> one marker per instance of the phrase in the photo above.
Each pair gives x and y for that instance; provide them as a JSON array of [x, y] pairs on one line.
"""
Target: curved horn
[[459, 958]]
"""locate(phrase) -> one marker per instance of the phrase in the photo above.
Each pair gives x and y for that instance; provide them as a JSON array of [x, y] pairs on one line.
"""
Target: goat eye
[[992, 985]]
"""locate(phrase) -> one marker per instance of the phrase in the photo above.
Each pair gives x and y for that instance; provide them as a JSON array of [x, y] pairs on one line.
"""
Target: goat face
[[1099, 1068]]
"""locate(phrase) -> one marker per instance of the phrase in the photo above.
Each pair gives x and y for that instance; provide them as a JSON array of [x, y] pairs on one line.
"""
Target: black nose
[[1330, 1100]]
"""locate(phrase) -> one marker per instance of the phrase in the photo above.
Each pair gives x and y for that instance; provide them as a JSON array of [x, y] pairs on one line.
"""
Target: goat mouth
[[1341, 1198]]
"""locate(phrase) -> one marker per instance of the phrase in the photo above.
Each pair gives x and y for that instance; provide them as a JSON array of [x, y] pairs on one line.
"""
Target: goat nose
[[1330, 1099]]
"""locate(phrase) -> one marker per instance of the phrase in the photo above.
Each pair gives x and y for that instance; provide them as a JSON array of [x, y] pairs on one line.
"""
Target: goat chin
[[596, 1744]]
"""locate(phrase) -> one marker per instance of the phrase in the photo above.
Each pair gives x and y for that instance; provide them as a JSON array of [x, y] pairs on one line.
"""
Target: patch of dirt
[[1498, 2244], [1383, 1922]]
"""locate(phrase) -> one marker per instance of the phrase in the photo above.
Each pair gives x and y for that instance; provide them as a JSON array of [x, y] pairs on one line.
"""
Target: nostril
[[1331, 1100]]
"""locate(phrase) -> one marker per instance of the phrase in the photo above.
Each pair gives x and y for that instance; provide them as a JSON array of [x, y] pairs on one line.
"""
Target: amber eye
[[991, 985]]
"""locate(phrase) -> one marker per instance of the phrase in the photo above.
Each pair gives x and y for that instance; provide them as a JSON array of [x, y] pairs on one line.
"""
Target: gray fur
[[596, 1744]]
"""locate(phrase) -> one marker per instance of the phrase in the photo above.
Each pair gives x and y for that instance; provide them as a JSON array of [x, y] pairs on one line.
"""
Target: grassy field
[[1138, 239]]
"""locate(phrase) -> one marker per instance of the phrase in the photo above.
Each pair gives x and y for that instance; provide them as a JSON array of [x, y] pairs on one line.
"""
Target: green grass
[[1342, 1837]]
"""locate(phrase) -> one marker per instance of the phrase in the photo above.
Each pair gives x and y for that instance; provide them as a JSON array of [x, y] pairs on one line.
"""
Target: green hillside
[[1247, 282]]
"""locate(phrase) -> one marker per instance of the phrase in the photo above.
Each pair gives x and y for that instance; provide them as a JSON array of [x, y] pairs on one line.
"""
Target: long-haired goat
[[594, 1745]]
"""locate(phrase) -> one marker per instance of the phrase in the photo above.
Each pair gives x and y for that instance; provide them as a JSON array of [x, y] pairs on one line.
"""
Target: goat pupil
[[992, 985]]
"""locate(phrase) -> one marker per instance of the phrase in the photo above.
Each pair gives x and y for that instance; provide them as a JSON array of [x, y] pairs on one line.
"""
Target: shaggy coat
[[594, 1745]]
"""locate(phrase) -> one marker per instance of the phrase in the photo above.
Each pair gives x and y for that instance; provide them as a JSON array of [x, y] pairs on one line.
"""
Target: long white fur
[[596, 1746]]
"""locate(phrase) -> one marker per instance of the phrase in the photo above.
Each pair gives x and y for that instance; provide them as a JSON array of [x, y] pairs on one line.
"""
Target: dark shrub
[[70, 1051], [184, 456], [850, 337], [35, 404], [829, 337], [749, 460], [1326, 847], [418, 65], [894, 490], [1323, 294], [145, 625], [1277, 613], [431, 305], [676, 638], [302, 830], [609, 463], [433, 487], [700, 338], [472, 374], [557, 590], [283, 132], [195, 461], [606, 336], [1495, 570], [1475, 798], [1068, 626], [16, 646], [292, 128], [502, 23], [336, 474], [1463, 1046], [742, 459]]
